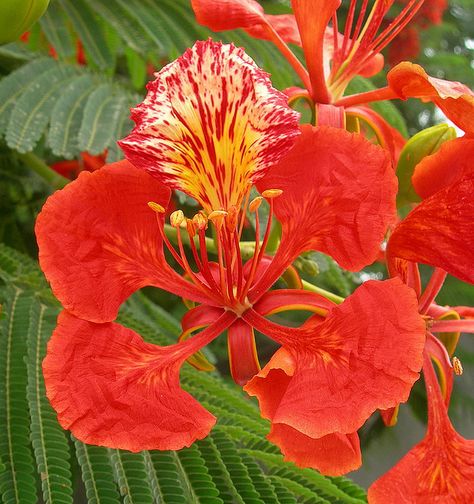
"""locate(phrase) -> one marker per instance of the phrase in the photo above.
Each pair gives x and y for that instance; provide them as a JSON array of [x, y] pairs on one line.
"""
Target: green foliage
[[235, 464]]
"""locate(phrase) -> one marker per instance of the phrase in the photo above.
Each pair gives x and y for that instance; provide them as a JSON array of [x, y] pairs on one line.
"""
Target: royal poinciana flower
[[439, 469], [438, 232], [333, 59], [211, 126]]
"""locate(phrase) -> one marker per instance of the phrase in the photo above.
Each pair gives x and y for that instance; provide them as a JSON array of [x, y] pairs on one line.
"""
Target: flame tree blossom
[[212, 126], [333, 59], [438, 232]]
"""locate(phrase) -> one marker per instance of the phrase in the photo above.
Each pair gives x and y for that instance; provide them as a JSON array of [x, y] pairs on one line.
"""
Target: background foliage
[[53, 108]]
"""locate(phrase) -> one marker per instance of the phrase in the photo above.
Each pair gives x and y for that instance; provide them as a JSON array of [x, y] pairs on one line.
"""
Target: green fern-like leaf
[[32, 110], [131, 477], [89, 31], [17, 481], [125, 24], [55, 27], [49, 440], [236, 468], [101, 113], [14, 85], [67, 115], [313, 480], [97, 474]]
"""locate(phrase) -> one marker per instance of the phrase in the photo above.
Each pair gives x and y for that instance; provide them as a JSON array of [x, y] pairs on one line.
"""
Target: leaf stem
[[43, 170]]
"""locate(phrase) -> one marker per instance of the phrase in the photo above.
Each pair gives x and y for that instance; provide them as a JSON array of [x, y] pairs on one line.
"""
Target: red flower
[[211, 125], [439, 469], [332, 59], [438, 232]]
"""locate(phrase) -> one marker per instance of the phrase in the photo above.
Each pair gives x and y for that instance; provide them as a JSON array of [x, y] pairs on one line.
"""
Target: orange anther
[[217, 217], [272, 193], [156, 207], [457, 366], [200, 221], [176, 218], [255, 204]]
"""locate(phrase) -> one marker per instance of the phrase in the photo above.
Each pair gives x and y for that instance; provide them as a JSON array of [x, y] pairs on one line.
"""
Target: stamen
[[200, 221], [255, 204], [217, 218], [156, 207], [176, 218], [272, 193], [457, 366]]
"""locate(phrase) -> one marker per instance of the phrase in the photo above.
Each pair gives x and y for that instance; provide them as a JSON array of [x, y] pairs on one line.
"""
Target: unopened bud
[[255, 204], [457, 366], [156, 207], [272, 193], [176, 218], [200, 221]]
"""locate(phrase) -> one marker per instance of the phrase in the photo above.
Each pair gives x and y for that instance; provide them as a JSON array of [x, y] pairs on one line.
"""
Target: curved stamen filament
[[363, 44]]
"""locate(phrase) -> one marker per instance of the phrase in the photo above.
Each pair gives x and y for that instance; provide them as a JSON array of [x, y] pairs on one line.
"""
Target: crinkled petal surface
[[455, 99], [210, 124], [333, 455], [99, 242], [110, 388], [450, 163], [284, 24], [338, 198], [221, 15], [440, 231], [366, 355], [439, 470]]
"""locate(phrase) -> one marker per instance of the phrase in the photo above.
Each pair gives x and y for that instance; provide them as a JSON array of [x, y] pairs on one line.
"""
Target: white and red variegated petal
[[211, 124]]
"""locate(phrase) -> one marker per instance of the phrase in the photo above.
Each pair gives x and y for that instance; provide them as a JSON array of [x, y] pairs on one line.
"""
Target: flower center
[[228, 279]]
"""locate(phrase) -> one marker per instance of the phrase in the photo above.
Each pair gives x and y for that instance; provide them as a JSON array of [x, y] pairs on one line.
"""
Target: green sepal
[[422, 144]]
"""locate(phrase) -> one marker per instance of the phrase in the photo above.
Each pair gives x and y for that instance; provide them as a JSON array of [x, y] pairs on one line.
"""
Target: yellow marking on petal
[[210, 125], [156, 207]]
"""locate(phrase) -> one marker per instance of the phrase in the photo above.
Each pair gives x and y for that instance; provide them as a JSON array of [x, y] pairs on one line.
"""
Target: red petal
[[243, 358], [333, 455], [455, 99], [439, 470], [221, 15], [313, 18], [439, 231], [338, 197], [284, 24], [445, 167], [211, 141], [110, 388], [365, 355], [99, 242]]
